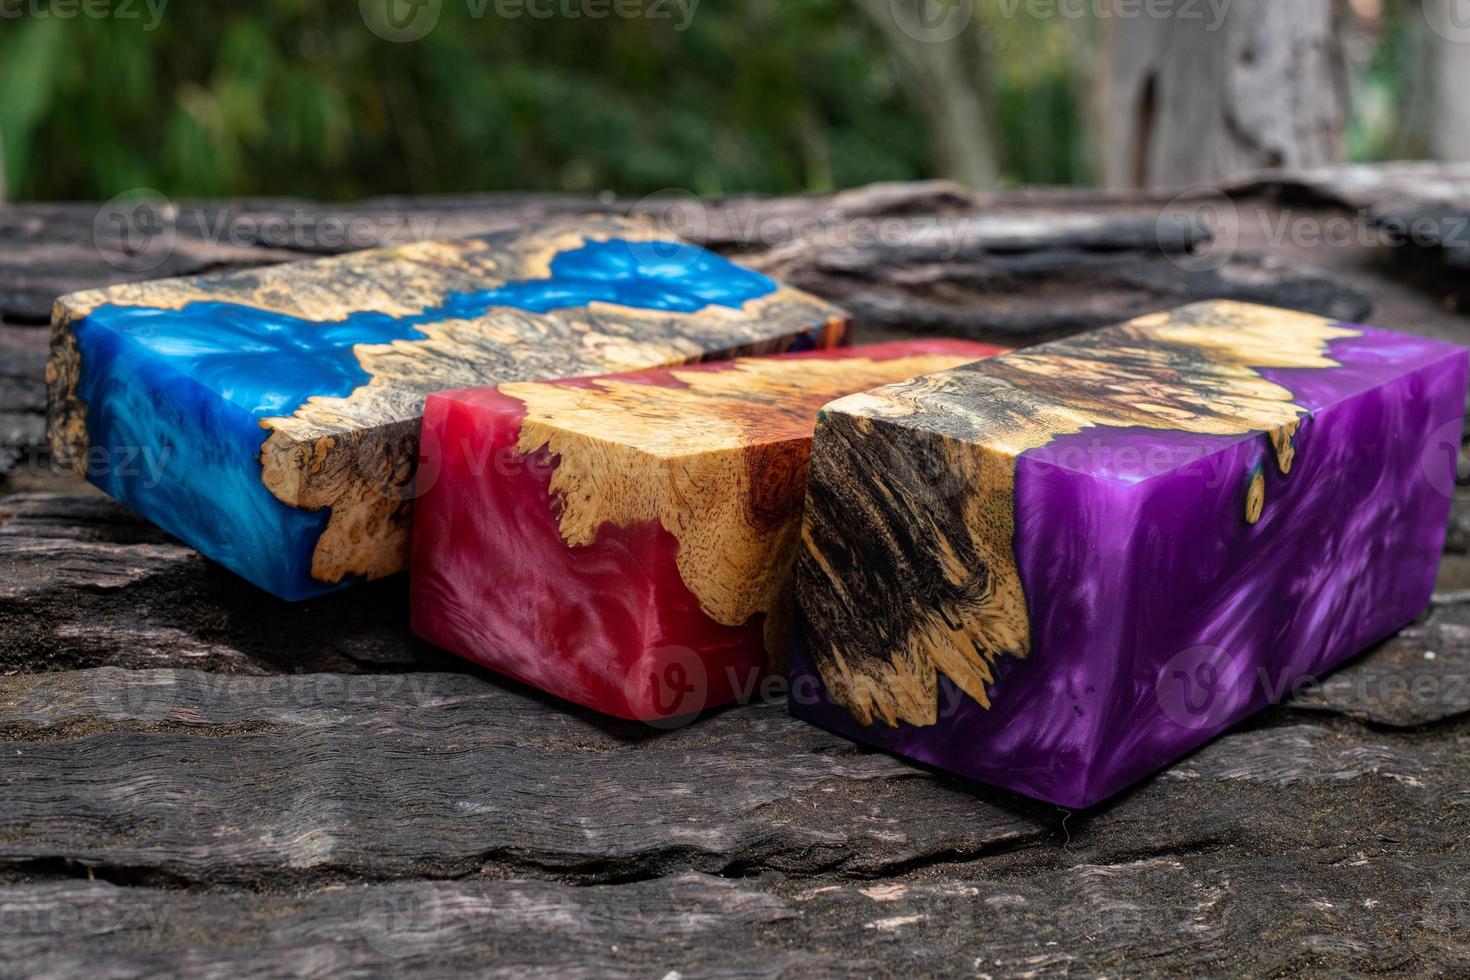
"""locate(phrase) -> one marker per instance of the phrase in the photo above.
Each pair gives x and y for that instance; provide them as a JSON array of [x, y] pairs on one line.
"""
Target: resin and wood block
[[626, 542], [1058, 570], [270, 418]]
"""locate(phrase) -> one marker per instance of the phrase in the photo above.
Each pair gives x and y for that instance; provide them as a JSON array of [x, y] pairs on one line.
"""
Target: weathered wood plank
[[921, 257], [1419, 210], [84, 582], [321, 776], [88, 584], [182, 777], [1418, 677], [1353, 913], [22, 406]]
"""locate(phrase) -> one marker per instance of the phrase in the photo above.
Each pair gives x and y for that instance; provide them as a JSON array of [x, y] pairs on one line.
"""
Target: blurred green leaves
[[30, 62], [300, 98]]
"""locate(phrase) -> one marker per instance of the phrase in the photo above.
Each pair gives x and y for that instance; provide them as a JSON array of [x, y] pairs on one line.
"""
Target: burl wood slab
[[626, 542], [270, 418], [1060, 569]]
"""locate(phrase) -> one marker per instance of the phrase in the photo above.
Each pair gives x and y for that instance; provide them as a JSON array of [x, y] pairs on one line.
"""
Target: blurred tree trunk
[[945, 79], [1447, 126], [1187, 100]]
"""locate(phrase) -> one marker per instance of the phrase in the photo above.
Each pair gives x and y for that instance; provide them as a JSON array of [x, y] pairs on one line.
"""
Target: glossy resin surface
[[270, 419], [1097, 554], [626, 542]]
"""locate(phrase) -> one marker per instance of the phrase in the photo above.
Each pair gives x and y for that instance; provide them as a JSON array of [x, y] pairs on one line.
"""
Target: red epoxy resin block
[[627, 541]]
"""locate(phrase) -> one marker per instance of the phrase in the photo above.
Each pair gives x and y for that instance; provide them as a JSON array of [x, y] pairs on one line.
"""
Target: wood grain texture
[[716, 457], [87, 583], [438, 775], [914, 483], [267, 815], [1188, 915], [1012, 267], [22, 406], [320, 779], [336, 822]]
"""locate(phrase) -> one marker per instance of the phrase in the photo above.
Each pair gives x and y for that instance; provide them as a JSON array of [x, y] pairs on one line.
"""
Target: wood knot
[[776, 473]]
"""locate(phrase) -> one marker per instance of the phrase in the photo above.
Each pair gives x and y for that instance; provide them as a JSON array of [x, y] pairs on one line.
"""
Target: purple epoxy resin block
[[1060, 569]]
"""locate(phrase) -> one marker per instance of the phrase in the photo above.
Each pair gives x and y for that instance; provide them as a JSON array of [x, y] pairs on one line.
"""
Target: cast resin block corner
[[626, 542], [1058, 570], [270, 418]]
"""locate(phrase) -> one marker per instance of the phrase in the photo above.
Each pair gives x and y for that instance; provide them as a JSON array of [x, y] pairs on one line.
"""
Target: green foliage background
[[298, 97]]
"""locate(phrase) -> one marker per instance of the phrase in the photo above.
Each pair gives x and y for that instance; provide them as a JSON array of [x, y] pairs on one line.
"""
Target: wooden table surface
[[195, 776]]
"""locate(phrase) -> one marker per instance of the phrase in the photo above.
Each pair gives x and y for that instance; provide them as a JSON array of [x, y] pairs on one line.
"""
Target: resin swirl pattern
[[651, 521], [1066, 518], [270, 418]]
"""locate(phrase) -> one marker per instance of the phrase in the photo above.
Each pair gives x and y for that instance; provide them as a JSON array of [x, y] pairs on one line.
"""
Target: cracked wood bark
[[22, 405], [1191, 914], [1416, 212], [1198, 96], [1286, 845], [85, 583], [1009, 268], [181, 778]]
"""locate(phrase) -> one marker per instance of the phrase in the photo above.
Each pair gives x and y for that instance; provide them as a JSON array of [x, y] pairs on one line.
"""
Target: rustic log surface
[[196, 776], [1420, 208]]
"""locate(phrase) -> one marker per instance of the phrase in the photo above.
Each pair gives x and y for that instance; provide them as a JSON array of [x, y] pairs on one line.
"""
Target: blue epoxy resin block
[[270, 418]]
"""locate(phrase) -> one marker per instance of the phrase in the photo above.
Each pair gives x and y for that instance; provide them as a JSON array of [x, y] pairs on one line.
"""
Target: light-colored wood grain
[[717, 457]]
